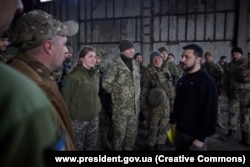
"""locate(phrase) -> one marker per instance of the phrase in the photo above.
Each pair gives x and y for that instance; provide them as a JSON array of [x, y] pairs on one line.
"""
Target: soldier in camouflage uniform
[[158, 105], [41, 40], [223, 64], [239, 94], [65, 69], [171, 58], [139, 59], [4, 42], [106, 110], [215, 71], [171, 66], [122, 80]]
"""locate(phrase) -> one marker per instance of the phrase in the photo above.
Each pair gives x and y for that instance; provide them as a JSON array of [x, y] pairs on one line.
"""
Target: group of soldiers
[[149, 94], [157, 95], [232, 80]]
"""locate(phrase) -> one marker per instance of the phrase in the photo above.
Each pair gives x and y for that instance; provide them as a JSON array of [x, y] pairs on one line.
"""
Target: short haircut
[[222, 57], [137, 54], [197, 49]]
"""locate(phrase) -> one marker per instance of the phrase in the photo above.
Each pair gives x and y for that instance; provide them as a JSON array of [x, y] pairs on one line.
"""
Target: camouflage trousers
[[125, 130], [86, 134], [159, 118], [239, 106], [219, 114]]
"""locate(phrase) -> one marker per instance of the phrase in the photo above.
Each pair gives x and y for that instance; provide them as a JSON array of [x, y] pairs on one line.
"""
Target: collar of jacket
[[89, 71], [238, 62], [127, 61], [37, 66], [155, 68]]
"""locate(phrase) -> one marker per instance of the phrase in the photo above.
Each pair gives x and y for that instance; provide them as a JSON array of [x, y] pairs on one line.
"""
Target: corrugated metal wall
[[213, 24]]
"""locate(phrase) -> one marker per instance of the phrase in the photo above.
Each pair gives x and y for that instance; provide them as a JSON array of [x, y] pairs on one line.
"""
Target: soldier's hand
[[169, 126], [198, 144]]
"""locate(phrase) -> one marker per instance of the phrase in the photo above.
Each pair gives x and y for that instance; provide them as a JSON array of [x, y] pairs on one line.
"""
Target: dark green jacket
[[80, 93], [27, 121]]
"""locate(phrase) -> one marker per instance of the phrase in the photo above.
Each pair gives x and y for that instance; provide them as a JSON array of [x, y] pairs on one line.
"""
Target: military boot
[[244, 138], [230, 133]]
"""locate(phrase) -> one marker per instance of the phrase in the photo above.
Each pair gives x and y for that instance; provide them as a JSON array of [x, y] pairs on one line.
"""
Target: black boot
[[244, 138], [230, 133]]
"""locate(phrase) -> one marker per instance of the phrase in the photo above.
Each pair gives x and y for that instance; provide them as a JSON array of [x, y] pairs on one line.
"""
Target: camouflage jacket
[[124, 86], [142, 71], [238, 74], [41, 75], [214, 70], [160, 78], [172, 67], [2, 57]]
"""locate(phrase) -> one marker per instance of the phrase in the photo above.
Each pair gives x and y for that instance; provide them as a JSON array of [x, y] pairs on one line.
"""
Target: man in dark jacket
[[195, 106]]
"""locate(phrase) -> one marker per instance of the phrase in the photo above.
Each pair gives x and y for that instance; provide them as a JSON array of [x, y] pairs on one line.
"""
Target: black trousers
[[184, 142]]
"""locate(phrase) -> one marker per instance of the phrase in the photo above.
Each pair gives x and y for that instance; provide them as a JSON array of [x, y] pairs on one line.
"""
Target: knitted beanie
[[237, 49], [154, 54], [125, 44]]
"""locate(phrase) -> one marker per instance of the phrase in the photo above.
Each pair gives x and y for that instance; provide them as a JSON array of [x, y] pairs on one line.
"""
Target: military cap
[[156, 97], [99, 53], [36, 26], [163, 49]]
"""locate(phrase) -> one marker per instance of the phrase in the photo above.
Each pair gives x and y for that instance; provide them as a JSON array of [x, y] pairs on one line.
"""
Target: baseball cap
[[37, 25], [162, 49]]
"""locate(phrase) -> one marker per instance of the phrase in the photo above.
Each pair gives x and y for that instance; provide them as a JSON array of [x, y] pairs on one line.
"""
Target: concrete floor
[[217, 142]]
